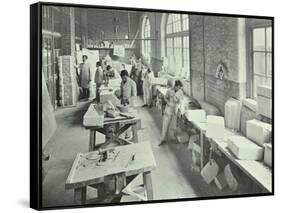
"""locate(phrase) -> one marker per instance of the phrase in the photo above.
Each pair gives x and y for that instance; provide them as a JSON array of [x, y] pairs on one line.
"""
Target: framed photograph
[[135, 105]]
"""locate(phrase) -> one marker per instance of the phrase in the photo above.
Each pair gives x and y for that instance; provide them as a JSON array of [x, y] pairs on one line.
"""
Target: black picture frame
[[36, 103]]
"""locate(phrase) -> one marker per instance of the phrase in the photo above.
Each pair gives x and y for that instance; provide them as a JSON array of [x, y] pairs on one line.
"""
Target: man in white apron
[[172, 98], [147, 87], [128, 93]]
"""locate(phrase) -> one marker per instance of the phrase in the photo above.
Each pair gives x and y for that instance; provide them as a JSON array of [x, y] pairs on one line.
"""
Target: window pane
[[175, 27], [268, 39], [269, 81], [259, 63], [170, 19], [259, 39], [178, 43], [147, 29], [178, 52], [185, 42], [169, 42], [176, 23], [260, 80], [186, 70], [269, 64], [176, 17], [146, 43], [169, 46], [169, 28], [185, 22], [169, 24], [185, 51]]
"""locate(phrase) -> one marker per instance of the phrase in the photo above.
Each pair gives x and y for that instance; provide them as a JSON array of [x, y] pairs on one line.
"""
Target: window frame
[[250, 54], [182, 34], [146, 37]]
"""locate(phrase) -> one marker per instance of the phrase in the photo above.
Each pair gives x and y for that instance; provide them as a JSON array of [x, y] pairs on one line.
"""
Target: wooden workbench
[[161, 89], [256, 170], [202, 129], [120, 123], [87, 172]]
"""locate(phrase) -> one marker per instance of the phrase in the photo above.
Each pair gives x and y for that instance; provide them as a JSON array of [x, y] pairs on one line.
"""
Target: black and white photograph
[[144, 105]]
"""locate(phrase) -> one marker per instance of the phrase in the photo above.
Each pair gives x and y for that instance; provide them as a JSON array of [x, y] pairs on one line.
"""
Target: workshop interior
[[145, 105]]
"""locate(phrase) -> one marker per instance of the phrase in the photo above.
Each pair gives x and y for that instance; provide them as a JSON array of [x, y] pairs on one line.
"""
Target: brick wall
[[129, 52], [67, 31], [66, 61], [197, 65], [68, 81], [216, 40], [101, 20]]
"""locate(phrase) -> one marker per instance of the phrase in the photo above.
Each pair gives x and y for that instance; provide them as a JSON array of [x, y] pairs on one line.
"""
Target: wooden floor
[[174, 177]]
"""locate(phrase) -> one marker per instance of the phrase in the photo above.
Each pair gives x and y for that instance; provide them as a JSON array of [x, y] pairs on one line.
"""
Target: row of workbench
[[116, 160], [255, 170]]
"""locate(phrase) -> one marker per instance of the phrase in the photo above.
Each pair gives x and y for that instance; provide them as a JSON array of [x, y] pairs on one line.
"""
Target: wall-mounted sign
[[119, 50], [221, 72]]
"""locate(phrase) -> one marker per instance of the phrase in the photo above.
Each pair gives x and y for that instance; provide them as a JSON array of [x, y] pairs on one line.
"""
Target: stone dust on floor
[[173, 178]]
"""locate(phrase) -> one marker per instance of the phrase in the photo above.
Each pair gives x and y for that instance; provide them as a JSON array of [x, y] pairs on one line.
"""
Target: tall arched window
[[146, 37], [177, 44]]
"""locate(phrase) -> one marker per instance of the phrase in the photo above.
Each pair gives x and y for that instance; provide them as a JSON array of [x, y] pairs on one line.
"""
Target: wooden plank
[[92, 173], [92, 139], [162, 90], [201, 149], [201, 126], [80, 195], [135, 133], [147, 180], [256, 170], [119, 119], [92, 117], [73, 168]]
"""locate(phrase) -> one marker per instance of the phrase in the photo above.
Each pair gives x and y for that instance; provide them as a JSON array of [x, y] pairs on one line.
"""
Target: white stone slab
[[258, 131], [215, 127], [232, 112], [159, 81], [230, 179], [107, 95], [210, 171], [92, 117], [244, 149], [265, 91], [264, 106], [268, 155], [197, 115], [220, 181]]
